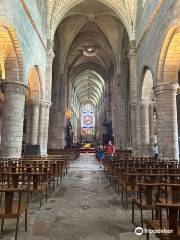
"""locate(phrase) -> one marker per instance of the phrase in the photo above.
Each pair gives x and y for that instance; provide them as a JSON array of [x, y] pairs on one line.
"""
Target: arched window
[[87, 120]]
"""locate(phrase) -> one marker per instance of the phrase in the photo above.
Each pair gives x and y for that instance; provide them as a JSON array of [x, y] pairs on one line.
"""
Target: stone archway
[[32, 107], [13, 90], [147, 112], [36, 112], [10, 54], [165, 91]]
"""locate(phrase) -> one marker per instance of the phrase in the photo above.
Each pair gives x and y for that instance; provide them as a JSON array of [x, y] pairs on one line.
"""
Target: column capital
[[50, 51], [134, 105], [16, 87], [50, 54], [35, 103], [144, 104], [47, 104], [165, 87]]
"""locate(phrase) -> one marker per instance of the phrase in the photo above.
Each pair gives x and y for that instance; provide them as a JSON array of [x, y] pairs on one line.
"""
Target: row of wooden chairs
[[21, 178], [153, 185]]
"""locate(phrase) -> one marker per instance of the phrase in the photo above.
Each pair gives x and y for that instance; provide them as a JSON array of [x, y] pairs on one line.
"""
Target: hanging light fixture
[[89, 51]]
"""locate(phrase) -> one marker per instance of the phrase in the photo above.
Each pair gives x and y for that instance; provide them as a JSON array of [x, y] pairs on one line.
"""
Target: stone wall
[[150, 46], [32, 50]]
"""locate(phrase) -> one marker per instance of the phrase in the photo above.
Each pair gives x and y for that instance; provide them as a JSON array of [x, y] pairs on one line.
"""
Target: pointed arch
[[10, 53], [169, 60], [34, 83]]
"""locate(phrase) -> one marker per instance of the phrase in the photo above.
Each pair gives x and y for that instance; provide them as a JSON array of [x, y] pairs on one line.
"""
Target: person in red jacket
[[110, 149]]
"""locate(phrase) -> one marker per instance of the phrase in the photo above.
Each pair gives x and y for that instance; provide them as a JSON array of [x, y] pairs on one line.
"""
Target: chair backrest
[[148, 193], [172, 193], [173, 217], [8, 198]]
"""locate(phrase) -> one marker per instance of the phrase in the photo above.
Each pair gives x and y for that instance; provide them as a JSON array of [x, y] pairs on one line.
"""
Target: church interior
[[89, 119]]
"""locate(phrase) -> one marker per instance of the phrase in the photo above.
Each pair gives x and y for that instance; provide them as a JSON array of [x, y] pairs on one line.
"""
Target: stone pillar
[[28, 122], [50, 57], [35, 123], [46, 128], [133, 93], [137, 130], [133, 125], [145, 139], [151, 124], [167, 129], [41, 126], [13, 118]]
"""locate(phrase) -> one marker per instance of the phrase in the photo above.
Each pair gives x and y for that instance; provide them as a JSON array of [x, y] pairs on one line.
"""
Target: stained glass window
[[87, 120]]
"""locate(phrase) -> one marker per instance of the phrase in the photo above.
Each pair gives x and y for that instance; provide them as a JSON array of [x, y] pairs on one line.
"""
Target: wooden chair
[[128, 186], [172, 223], [11, 206], [37, 183], [147, 197]]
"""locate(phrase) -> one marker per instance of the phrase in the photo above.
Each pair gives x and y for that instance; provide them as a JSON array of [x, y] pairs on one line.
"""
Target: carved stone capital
[[15, 87], [50, 51], [165, 88], [50, 54], [133, 105], [36, 104], [144, 105], [45, 104]]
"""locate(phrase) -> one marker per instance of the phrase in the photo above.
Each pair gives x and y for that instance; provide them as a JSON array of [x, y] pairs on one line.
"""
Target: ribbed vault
[[124, 9], [88, 87]]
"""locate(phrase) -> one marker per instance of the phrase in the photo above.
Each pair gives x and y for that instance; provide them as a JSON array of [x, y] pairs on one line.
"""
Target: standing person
[[110, 149], [101, 155], [155, 151]]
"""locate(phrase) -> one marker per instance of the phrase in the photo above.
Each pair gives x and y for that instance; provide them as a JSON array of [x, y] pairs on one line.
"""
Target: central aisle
[[85, 207]]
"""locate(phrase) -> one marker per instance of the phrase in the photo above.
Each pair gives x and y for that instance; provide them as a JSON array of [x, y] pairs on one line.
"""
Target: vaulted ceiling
[[88, 43], [89, 87], [123, 9]]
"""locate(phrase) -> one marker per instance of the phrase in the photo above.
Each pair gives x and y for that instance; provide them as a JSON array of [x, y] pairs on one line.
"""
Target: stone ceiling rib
[[125, 9], [88, 85]]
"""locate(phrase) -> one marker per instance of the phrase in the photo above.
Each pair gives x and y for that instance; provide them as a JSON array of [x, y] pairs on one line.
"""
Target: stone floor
[[84, 207]]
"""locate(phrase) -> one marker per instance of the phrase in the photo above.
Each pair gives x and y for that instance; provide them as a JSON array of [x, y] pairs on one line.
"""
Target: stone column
[[46, 128], [13, 118], [151, 124], [145, 140], [133, 125], [28, 122], [35, 123], [167, 129], [50, 57], [133, 93], [41, 125], [138, 130]]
